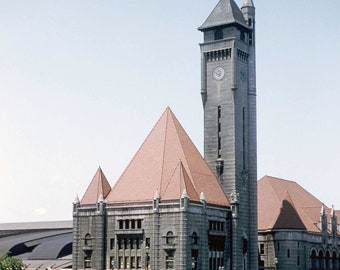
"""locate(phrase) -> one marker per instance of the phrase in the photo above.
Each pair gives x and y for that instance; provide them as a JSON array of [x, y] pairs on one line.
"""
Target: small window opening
[[218, 34]]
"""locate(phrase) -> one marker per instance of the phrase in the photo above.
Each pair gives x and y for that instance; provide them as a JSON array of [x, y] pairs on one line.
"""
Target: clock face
[[218, 73]]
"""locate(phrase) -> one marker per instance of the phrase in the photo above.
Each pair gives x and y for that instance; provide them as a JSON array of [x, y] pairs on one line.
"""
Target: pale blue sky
[[83, 82]]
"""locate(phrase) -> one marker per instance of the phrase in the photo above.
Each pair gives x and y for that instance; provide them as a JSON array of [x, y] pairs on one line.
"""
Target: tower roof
[[99, 188], [167, 163], [248, 3], [279, 199], [226, 12]]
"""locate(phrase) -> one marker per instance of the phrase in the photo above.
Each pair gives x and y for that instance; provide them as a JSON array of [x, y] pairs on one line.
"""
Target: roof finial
[[322, 211], [76, 200], [202, 196], [101, 198], [332, 211], [157, 195], [184, 193]]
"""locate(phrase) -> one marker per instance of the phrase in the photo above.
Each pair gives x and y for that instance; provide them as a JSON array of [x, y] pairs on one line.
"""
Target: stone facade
[[300, 250], [229, 102], [159, 235]]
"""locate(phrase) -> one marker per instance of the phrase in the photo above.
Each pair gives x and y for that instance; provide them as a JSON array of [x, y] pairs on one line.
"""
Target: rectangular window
[[121, 263], [262, 249], [127, 224], [120, 224], [133, 262], [112, 243], [169, 262], [133, 224], [126, 263], [87, 262], [120, 243], [112, 263], [288, 253], [147, 242], [139, 224], [139, 243], [139, 262]]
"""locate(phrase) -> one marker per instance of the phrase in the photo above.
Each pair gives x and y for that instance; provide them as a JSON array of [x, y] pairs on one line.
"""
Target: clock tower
[[228, 92]]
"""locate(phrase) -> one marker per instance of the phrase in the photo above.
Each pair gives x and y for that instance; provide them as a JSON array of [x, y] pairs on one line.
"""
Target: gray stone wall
[[146, 237], [291, 249]]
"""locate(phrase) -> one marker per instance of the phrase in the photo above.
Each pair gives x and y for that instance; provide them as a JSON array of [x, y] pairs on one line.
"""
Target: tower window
[[249, 22], [195, 238], [88, 240], [170, 238], [250, 38], [219, 132], [169, 260], [242, 36], [88, 262], [218, 34]]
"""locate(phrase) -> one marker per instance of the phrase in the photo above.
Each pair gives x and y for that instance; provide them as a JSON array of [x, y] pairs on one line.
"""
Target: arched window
[[170, 239], [334, 261], [321, 260], [314, 260], [328, 260], [218, 34], [88, 240]]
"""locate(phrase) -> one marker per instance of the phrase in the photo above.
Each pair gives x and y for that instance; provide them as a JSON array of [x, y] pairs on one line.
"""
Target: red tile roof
[[167, 163], [98, 187], [284, 204]]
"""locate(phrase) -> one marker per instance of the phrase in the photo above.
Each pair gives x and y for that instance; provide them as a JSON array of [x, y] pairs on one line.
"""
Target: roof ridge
[[171, 177], [175, 122], [139, 149], [164, 146]]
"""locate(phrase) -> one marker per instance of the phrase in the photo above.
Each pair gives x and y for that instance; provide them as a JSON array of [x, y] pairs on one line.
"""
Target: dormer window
[[218, 34]]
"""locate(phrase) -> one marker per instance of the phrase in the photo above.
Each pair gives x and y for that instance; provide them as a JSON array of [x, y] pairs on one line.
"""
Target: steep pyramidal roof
[[167, 163], [225, 12], [248, 3], [279, 199], [98, 187], [288, 217]]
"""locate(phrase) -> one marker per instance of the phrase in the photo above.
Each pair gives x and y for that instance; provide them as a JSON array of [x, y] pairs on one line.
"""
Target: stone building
[[296, 230], [167, 210], [228, 89], [172, 209]]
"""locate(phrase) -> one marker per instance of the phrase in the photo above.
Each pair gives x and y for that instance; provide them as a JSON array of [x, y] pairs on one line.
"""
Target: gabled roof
[[279, 199], [98, 187], [226, 12], [167, 163]]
